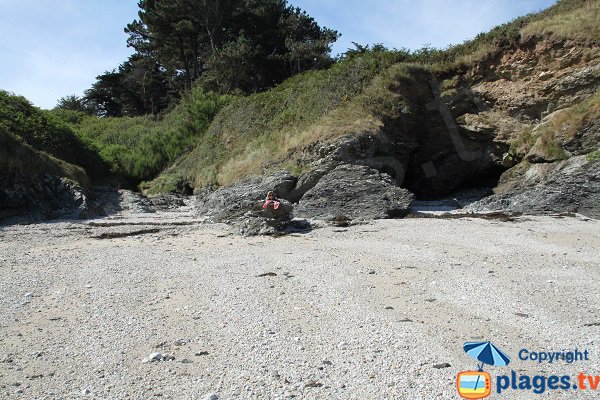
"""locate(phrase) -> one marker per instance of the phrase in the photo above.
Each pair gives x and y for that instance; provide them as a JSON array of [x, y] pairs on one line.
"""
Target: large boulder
[[233, 202], [567, 186], [271, 220], [357, 192]]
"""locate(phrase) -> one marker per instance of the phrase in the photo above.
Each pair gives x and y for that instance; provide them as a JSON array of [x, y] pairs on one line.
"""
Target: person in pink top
[[271, 199]]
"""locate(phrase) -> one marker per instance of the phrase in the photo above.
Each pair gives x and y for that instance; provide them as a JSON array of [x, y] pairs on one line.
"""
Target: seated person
[[271, 199]]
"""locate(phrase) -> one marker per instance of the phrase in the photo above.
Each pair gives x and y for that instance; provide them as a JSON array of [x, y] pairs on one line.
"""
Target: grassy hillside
[[569, 19], [211, 139], [138, 148], [19, 158], [262, 131], [44, 132], [256, 131], [561, 127]]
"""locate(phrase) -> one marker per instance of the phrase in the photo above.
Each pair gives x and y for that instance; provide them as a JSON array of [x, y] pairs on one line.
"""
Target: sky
[[54, 48]]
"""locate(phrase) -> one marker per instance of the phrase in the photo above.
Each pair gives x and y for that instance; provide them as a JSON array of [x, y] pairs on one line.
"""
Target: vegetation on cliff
[[208, 138]]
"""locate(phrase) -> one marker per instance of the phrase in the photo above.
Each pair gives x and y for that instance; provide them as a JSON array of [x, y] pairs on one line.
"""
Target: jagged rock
[[356, 191], [585, 140], [45, 198], [233, 202], [263, 226], [309, 181], [270, 221], [567, 186], [135, 203], [166, 202]]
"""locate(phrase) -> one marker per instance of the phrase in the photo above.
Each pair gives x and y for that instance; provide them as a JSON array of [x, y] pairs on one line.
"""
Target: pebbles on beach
[[138, 317]]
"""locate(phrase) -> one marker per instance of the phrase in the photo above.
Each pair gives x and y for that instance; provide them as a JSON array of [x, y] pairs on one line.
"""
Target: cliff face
[[517, 117], [541, 99], [36, 185], [514, 121]]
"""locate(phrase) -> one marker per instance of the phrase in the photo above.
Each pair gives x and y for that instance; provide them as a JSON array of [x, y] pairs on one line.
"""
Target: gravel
[[80, 313]]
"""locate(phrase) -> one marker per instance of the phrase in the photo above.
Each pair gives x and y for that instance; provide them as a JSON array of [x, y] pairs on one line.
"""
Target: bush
[[45, 131], [593, 156], [138, 148], [258, 131]]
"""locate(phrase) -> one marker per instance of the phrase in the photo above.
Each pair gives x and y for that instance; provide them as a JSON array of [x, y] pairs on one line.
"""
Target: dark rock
[[357, 192], [442, 365], [233, 202], [586, 140], [313, 384], [309, 181], [341, 221], [567, 186], [259, 224], [165, 202], [45, 198]]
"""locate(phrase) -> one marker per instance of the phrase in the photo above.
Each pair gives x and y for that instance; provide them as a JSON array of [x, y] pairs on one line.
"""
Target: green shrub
[[45, 131], [138, 148], [593, 156], [17, 157]]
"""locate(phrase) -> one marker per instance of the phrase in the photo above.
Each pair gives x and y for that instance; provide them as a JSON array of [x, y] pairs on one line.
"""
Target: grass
[[44, 131], [593, 156], [561, 127], [568, 20], [19, 158], [263, 131], [139, 148]]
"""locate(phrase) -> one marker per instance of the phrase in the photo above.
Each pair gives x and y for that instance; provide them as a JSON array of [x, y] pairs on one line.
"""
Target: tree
[[267, 39], [75, 103], [180, 34], [139, 86]]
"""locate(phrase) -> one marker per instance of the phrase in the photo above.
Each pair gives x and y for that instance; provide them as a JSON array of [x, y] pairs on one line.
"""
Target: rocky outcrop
[[241, 206], [232, 202], [567, 186], [357, 192], [271, 220], [47, 197]]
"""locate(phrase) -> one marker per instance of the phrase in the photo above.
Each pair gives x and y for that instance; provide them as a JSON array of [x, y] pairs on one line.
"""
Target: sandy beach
[[373, 311]]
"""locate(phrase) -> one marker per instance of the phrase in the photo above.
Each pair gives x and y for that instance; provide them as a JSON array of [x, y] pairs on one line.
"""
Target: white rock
[[156, 357]]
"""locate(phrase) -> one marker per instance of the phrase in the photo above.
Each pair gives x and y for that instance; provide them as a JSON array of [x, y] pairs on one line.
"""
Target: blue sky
[[53, 48]]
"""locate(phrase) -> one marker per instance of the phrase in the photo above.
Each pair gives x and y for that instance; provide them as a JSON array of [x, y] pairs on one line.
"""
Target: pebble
[[326, 311], [156, 357]]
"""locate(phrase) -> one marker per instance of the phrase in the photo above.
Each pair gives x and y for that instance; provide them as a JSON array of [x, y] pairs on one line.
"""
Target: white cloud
[[50, 49]]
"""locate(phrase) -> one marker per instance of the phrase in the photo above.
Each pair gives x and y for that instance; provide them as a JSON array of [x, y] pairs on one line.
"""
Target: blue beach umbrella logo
[[477, 385], [486, 353]]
